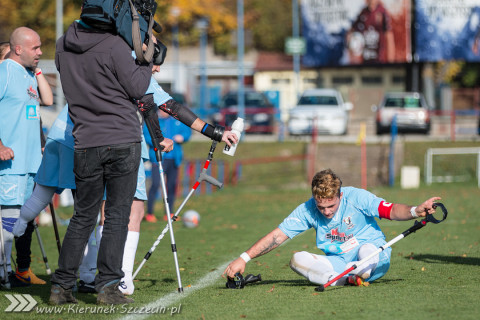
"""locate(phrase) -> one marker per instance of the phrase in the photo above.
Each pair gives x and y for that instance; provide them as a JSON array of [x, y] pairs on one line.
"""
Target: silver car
[[410, 110], [322, 110]]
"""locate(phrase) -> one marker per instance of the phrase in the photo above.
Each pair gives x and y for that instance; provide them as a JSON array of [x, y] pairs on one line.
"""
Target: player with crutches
[[202, 177], [346, 231], [217, 133]]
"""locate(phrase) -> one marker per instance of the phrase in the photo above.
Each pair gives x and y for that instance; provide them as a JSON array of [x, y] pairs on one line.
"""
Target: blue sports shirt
[[353, 225], [19, 118]]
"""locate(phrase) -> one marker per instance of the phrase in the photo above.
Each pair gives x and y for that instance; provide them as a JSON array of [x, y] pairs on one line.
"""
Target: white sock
[[88, 267], [128, 261], [8, 248], [9, 217]]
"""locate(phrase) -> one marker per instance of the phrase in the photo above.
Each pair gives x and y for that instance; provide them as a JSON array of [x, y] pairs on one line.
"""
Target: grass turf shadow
[[433, 258]]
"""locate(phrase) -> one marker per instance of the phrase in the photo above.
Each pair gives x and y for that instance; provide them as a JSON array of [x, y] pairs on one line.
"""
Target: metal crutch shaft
[[169, 219], [202, 177], [55, 228], [151, 120], [6, 283], [42, 249]]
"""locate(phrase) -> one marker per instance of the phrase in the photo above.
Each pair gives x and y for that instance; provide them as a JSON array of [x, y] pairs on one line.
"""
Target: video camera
[[131, 19]]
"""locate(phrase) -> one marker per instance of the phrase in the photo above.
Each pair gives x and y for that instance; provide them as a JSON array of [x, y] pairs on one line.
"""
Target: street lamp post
[[59, 99], [202, 25], [240, 53], [296, 56], [175, 11]]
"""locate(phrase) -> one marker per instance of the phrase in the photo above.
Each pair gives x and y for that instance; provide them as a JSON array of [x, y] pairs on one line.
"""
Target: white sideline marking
[[174, 297]]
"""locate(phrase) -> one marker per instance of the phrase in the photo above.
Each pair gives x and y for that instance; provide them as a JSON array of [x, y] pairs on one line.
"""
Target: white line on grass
[[175, 297]]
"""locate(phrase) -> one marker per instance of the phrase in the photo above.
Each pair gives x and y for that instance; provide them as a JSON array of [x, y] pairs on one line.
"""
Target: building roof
[[273, 61]]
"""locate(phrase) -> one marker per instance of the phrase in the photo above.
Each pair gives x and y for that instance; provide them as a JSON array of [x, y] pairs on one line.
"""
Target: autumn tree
[[38, 15], [268, 22]]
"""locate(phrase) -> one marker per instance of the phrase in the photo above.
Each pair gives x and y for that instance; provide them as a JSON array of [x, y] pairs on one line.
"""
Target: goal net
[[452, 165]]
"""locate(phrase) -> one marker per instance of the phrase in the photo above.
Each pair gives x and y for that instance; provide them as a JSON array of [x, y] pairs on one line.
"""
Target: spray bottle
[[237, 128]]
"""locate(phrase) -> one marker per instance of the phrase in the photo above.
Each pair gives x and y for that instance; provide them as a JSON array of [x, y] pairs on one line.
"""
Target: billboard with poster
[[350, 32], [447, 30]]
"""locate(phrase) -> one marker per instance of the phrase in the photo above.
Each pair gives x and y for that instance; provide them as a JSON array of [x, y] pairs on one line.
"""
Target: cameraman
[[100, 80]]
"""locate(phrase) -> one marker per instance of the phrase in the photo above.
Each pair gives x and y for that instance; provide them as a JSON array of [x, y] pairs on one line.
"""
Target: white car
[[322, 109], [410, 109]]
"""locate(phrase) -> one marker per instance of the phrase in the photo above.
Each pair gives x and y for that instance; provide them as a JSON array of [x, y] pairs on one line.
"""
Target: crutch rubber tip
[[320, 288], [49, 272]]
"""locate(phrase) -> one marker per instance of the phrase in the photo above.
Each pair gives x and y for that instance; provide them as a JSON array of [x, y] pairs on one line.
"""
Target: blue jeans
[[114, 169]]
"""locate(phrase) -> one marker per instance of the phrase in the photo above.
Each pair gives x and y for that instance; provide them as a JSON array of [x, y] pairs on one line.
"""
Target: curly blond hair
[[326, 185]]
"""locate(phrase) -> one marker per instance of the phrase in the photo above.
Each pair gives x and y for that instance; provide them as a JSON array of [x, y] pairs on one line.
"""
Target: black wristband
[[213, 132]]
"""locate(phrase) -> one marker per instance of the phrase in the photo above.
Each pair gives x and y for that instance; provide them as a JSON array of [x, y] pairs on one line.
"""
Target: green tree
[[38, 15], [270, 23]]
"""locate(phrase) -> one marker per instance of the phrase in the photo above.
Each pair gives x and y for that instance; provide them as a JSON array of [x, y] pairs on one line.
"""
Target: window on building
[[310, 80], [398, 79], [342, 80], [372, 80], [280, 81]]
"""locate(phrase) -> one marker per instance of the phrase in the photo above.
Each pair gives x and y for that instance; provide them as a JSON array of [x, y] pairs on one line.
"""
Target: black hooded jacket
[[100, 80]]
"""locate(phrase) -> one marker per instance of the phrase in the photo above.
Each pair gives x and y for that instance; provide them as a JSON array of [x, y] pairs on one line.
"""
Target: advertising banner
[[447, 30], [351, 32]]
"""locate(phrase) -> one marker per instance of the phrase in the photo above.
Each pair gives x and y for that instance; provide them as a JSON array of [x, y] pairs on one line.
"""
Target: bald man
[[20, 149]]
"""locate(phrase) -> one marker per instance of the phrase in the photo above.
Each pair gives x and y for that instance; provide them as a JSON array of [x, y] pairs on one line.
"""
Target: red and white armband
[[385, 209]]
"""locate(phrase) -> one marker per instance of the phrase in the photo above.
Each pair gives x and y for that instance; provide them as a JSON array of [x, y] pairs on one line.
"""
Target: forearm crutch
[[202, 177], [417, 225], [5, 283], [42, 249], [55, 228], [151, 129]]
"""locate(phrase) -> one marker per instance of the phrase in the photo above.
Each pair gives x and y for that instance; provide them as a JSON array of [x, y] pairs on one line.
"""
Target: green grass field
[[434, 273]]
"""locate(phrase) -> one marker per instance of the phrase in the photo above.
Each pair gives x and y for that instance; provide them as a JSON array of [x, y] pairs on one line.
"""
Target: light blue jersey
[[159, 95], [352, 226], [19, 118], [61, 130]]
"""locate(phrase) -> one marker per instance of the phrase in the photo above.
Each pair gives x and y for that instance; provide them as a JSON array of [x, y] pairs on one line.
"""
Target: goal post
[[429, 156]]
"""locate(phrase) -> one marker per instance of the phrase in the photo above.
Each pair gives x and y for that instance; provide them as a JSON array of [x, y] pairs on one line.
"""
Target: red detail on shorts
[[384, 210]]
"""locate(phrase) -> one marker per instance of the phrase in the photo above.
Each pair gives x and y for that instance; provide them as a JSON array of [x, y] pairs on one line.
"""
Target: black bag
[[131, 19]]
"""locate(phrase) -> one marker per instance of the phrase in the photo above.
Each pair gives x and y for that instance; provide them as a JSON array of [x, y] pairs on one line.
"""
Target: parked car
[[259, 112], [411, 111], [322, 109]]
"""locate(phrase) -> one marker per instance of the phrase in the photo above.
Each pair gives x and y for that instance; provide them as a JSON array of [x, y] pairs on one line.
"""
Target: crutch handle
[[205, 177]]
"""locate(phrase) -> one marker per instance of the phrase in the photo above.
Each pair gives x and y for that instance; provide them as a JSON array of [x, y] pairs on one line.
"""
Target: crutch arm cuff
[[213, 132]]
